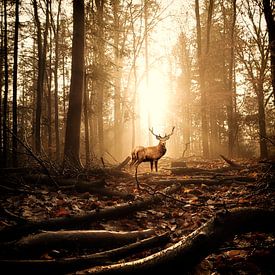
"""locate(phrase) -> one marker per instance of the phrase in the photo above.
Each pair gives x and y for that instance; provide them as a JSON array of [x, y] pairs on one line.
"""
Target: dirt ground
[[212, 190]]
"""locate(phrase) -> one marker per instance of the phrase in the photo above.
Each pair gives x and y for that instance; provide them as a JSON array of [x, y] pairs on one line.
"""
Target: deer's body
[[150, 154]]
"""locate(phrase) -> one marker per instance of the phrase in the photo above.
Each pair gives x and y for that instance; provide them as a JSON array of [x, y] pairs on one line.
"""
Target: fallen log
[[181, 257], [208, 181], [178, 163], [230, 162], [123, 164], [81, 186], [45, 241], [84, 221], [64, 265], [94, 187], [194, 171]]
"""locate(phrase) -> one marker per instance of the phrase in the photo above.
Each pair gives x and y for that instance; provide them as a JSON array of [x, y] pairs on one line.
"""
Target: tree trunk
[[1, 85], [270, 21], [49, 113], [72, 137], [186, 96], [101, 52], [56, 64], [261, 121], [230, 107], [150, 142], [6, 90], [201, 64], [42, 50], [48, 240], [14, 99], [118, 74], [86, 123]]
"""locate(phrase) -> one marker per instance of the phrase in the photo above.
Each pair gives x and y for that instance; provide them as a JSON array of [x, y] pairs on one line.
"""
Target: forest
[[137, 136]]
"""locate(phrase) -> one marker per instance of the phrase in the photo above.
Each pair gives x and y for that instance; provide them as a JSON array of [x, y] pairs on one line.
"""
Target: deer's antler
[[152, 131]]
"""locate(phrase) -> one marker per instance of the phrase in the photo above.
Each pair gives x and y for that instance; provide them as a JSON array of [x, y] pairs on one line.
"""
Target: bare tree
[[6, 89], [231, 101], [254, 55], [14, 99], [202, 60], [56, 29], [42, 50], [72, 136]]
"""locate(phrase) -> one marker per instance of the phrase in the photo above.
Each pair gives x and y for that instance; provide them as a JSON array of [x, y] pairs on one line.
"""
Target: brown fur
[[150, 154]]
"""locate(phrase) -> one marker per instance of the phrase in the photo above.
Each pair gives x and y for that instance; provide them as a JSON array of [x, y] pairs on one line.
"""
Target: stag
[[150, 154]]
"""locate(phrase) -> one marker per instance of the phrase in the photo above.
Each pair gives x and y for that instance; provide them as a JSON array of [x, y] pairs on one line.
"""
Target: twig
[[137, 182], [268, 139], [103, 163], [40, 162]]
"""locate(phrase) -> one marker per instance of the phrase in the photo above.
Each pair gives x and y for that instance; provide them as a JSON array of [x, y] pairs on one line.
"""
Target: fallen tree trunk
[[45, 241], [83, 221], [181, 257], [209, 181], [123, 164], [95, 187], [64, 265], [230, 162], [192, 170]]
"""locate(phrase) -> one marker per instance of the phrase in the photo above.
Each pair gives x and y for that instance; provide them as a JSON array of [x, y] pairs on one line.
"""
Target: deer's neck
[[162, 148]]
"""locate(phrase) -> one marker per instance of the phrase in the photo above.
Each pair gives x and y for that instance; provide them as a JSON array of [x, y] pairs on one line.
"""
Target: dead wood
[[123, 164], [83, 221], [230, 162], [190, 171], [181, 257], [45, 241], [178, 163], [208, 181], [95, 187], [19, 170], [64, 265]]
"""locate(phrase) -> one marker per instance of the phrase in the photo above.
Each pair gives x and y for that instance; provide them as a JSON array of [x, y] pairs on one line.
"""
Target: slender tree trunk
[[118, 74], [186, 96], [270, 21], [14, 99], [49, 81], [201, 62], [147, 66], [56, 64], [101, 47], [39, 85], [6, 91], [72, 137], [261, 121], [34, 69], [230, 107], [42, 50], [86, 124], [1, 85], [135, 86]]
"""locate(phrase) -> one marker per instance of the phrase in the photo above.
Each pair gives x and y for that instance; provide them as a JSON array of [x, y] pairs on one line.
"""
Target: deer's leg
[[151, 164], [156, 165]]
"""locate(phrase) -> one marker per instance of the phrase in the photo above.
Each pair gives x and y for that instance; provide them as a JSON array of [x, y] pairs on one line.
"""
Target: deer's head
[[162, 140]]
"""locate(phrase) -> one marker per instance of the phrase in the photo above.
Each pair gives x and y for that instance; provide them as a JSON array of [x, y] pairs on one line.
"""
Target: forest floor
[[207, 188]]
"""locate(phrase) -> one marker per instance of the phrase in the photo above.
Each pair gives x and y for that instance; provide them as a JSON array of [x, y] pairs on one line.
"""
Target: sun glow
[[154, 108], [153, 102]]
